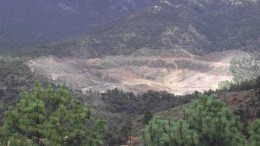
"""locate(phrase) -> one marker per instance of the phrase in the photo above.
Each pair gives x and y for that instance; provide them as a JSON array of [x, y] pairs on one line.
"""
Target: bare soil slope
[[175, 71]]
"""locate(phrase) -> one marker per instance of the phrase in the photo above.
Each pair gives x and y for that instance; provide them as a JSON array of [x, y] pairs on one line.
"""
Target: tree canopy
[[214, 122], [47, 116], [172, 132], [206, 122], [254, 131]]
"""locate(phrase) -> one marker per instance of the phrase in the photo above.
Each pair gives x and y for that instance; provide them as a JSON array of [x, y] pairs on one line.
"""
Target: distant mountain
[[24, 22], [186, 24], [198, 26]]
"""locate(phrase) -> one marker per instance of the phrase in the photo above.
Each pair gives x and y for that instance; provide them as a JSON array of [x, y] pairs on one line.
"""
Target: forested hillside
[[24, 23], [130, 72], [126, 114], [191, 25]]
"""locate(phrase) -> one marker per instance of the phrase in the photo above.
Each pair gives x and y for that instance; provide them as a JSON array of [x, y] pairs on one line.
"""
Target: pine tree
[[214, 122], [207, 122], [46, 117], [254, 131], [173, 132]]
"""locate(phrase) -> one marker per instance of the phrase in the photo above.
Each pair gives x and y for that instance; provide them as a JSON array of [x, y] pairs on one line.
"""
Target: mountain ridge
[[24, 22], [168, 25]]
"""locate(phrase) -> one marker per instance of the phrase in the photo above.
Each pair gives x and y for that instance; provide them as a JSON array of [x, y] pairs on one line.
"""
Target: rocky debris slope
[[174, 71]]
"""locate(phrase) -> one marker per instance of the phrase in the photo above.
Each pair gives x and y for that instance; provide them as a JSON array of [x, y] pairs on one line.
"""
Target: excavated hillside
[[174, 71]]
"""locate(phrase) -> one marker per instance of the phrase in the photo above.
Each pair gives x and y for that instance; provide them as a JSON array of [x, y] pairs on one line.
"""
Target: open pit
[[174, 71]]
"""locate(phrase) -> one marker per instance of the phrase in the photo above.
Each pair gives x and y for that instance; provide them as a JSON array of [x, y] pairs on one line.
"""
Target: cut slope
[[139, 73]]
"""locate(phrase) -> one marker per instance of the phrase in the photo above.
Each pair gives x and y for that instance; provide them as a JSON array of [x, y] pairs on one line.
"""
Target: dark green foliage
[[46, 116], [13, 72], [174, 132], [119, 130], [214, 122], [254, 132], [207, 122], [147, 117], [14, 77], [120, 106], [239, 86], [251, 109], [128, 104], [118, 101]]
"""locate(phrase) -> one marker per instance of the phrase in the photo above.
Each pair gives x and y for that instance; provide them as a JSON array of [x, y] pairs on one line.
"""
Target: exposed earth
[[174, 71]]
